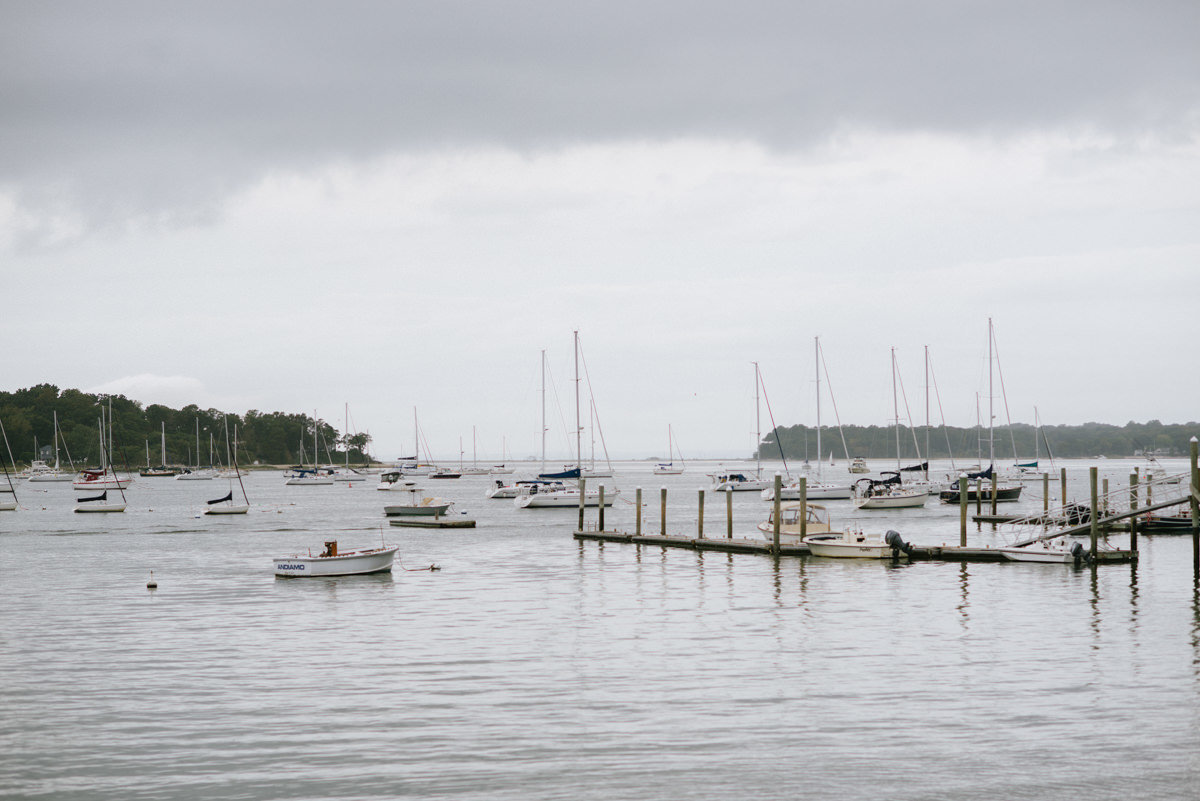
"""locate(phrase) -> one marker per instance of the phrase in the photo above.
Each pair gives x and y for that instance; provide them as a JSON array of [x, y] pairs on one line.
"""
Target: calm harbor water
[[534, 667]]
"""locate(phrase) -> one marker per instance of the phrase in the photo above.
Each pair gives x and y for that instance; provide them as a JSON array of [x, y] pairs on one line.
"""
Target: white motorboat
[[859, 465], [508, 491], [501, 470], [332, 562], [1060, 550], [394, 480], [854, 544], [417, 506], [104, 479], [817, 522], [40, 471], [199, 474]]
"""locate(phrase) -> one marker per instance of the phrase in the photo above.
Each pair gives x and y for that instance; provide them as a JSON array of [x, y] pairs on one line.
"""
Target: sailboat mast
[[56, 440], [198, 443], [817, 370], [164, 443], [991, 401], [926, 412], [543, 410], [895, 408], [1037, 430], [757, 427], [347, 415], [578, 429]]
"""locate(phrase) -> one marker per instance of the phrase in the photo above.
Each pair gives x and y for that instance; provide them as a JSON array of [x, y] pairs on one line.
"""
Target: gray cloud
[[161, 108]]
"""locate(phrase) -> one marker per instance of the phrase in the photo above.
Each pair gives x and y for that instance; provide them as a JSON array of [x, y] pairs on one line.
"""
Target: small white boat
[[501, 470], [40, 471], [198, 474], [738, 482], [8, 506], [100, 480], [394, 480], [562, 497], [332, 562], [1060, 550], [417, 507], [817, 522], [859, 465], [226, 506], [854, 544]]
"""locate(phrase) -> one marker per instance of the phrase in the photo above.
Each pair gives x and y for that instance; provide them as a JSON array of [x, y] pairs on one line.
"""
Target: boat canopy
[[1026, 464], [875, 482], [982, 473], [101, 497], [923, 467], [228, 497]]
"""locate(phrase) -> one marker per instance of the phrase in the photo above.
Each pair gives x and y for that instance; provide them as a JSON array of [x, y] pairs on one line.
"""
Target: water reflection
[[964, 603]]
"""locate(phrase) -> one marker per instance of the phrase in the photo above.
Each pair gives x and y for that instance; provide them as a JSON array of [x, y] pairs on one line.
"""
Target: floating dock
[[935, 553], [433, 522]]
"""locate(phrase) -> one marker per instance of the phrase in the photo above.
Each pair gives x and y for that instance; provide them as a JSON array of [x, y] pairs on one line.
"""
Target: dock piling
[[1133, 505], [1195, 504], [1045, 493], [962, 509], [663, 529], [1063, 480], [582, 498], [638, 524], [995, 481], [775, 517], [728, 513], [601, 517], [700, 518], [803, 507], [1095, 527]]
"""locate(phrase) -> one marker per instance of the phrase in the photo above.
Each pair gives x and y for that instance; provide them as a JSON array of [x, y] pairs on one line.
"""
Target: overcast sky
[[294, 206]]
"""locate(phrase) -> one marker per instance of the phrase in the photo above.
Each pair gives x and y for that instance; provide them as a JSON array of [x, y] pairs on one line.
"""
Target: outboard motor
[[1078, 552], [897, 542]]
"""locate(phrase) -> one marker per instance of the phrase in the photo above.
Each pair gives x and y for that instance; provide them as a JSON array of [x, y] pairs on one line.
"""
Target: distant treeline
[[1089, 439], [266, 437]]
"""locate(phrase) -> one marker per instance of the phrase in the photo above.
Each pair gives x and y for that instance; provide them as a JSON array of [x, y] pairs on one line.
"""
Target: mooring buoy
[[152, 584]]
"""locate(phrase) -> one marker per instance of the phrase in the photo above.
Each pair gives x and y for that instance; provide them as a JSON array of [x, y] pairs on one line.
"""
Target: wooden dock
[[935, 553], [433, 522]]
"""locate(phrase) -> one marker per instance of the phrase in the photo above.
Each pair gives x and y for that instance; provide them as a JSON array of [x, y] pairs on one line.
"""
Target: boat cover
[[228, 497], [101, 497]]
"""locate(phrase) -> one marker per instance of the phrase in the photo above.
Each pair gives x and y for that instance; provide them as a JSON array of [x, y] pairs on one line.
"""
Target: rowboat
[[332, 562]]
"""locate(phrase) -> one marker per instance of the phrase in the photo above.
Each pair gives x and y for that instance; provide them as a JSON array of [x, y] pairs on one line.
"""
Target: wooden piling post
[[1133, 505], [1195, 504], [638, 525], [803, 507], [775, 528], [1104, 494], [995, 482], [1063, 480], [582, 498], [663, 509], [978, 496], [601, 516], [1095, 527], [729, 513], [1045, 493], [700, 519], [962, 509]]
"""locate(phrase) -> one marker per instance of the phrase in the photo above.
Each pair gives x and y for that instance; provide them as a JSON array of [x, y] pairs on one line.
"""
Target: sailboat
[[890, 493], [40, 471], [538, 496], [502, 469], [162, 469], [7, 505], [740, 482], [303, 477], [195, 475], [669, 468], [105, 478], [474, 469], [982, 491], [102, 479], [225, 505], [814, 490]]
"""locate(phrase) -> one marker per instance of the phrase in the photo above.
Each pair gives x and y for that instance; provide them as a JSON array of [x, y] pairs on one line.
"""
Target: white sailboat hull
[[8, 506], [227, 510], [100, 507], [309, 481], [815, 492], [906, 500], [63, 477], [564, 499], [103, 484]]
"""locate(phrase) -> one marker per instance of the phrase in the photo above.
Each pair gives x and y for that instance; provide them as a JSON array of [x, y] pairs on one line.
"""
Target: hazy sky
[[293, 206]]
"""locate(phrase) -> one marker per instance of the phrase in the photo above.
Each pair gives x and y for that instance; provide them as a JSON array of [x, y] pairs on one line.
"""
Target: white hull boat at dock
[[332, 562], [1061, 550], [564, 499], [817, 522], [895, 499], [852, 544], [815, 491]]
